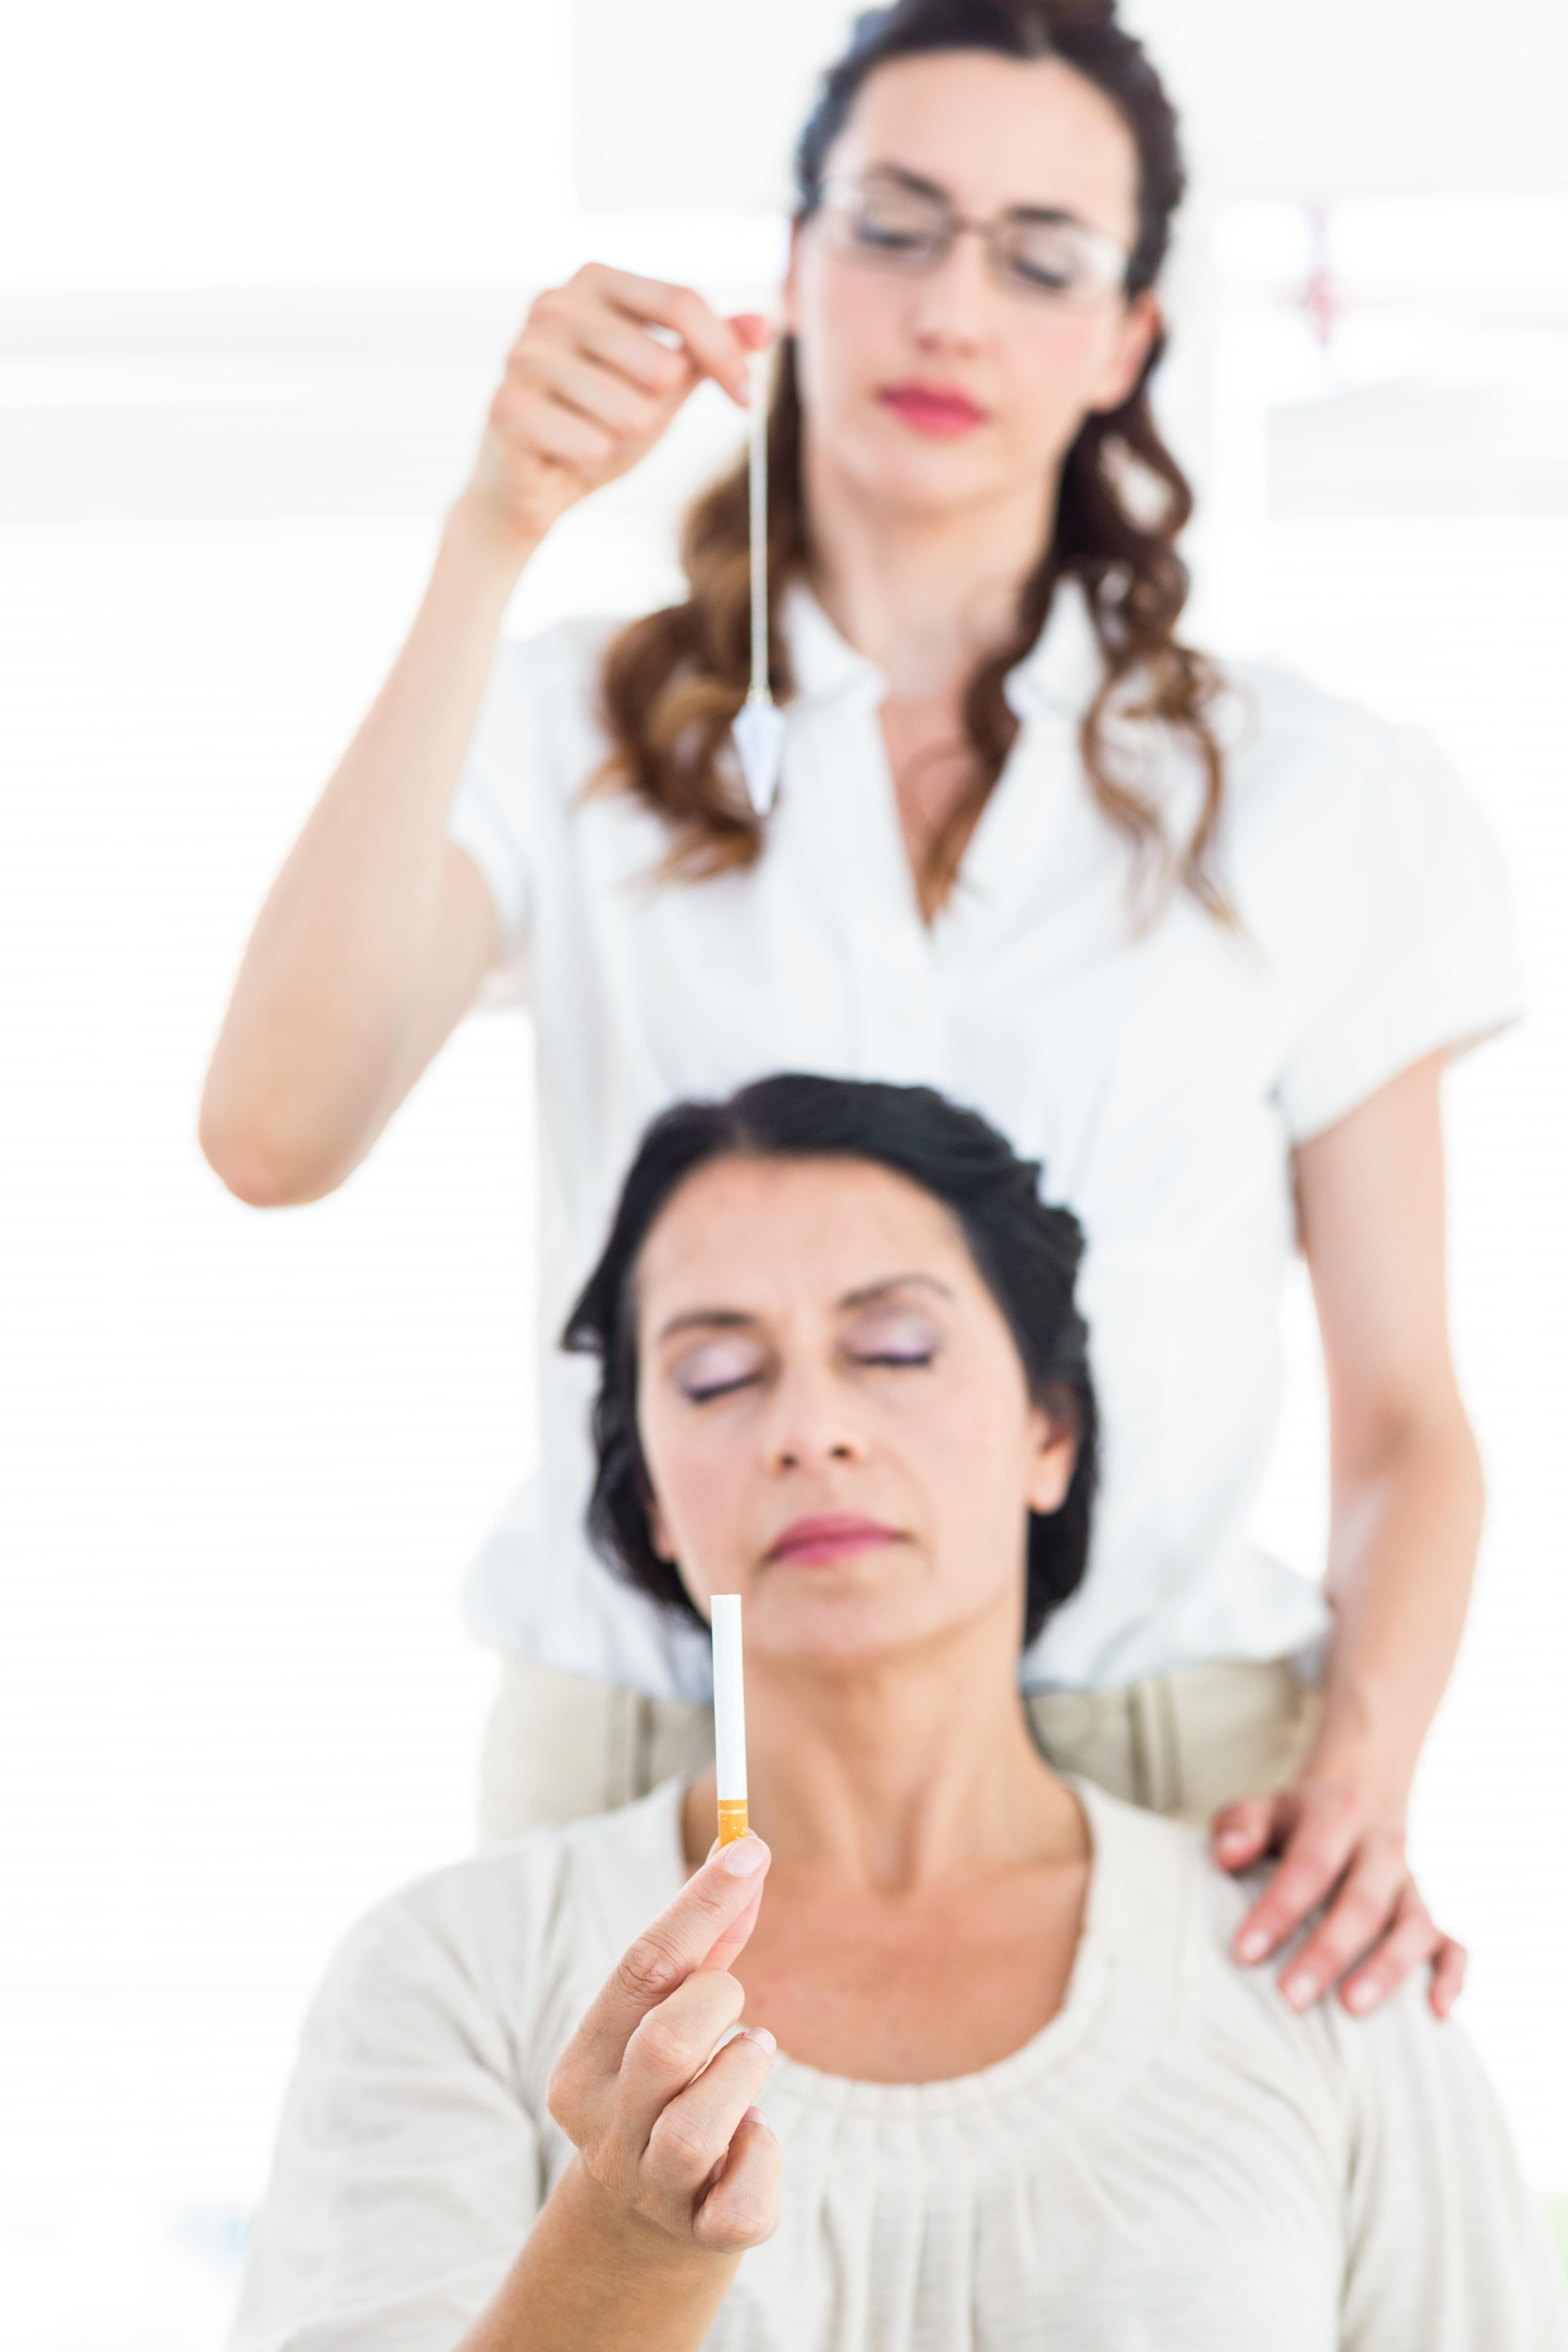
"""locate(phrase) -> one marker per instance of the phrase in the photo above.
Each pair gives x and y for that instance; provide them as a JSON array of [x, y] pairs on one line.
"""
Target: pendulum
[[759, 727]]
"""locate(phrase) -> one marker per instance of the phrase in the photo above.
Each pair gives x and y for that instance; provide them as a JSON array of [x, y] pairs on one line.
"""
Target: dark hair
[[1083, 34], [673, 681], [1027, 1256]]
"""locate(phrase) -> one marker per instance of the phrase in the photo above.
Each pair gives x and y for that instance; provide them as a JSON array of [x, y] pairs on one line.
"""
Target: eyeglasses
[[890, 220]]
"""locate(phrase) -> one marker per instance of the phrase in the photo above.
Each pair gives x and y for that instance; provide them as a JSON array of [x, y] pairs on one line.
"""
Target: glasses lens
[[882, 221], [1059, 261]]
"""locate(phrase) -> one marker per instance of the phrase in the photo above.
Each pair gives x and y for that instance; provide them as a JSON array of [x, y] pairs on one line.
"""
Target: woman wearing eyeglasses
[[1201, 941]]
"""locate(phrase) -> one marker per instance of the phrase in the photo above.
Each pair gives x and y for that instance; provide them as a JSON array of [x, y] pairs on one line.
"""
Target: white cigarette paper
[[729, 1716]]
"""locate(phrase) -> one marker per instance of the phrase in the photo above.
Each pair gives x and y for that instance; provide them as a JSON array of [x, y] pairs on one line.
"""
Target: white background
[[255, 273]]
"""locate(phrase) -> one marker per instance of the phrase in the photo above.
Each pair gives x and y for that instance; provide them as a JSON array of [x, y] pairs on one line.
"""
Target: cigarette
[[729, 1718]]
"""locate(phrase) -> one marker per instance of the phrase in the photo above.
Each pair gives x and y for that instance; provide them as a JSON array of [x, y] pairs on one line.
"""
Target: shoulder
[[1279, 708], [1160, 1902], [1387, 2121], [1163, 1893], [1333, 812], [569, 649], [1155, 1887], [557, 666], [539, 738], [1156, 1900], [512, 1942], [1289, 742]]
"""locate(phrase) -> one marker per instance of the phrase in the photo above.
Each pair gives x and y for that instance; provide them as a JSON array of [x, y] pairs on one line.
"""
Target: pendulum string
[[757, 420], [759, 727]]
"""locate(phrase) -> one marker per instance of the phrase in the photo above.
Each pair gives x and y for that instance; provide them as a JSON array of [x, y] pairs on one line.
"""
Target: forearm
[[1403, 1537], [336, 973], [590, 2276]]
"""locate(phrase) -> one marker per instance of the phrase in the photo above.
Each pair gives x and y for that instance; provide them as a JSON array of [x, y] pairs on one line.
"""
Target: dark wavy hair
[[673, 681], [1026, 1253]]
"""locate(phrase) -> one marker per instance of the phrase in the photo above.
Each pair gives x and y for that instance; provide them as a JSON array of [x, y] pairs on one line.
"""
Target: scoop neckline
[[1049, 2046]]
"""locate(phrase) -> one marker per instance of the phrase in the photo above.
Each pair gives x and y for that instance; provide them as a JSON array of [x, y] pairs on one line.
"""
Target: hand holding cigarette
[[661, 2116]]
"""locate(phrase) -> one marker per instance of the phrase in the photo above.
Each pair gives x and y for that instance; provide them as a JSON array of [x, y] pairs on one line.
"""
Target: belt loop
[[628, 1748], [1156, 1743]]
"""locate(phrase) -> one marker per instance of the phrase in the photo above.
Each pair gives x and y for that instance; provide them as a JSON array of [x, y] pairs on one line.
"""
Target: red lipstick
[[934, 408], [832, 1536]]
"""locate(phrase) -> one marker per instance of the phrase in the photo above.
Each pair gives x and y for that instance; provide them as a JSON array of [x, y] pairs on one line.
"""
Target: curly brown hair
[[672, 682]]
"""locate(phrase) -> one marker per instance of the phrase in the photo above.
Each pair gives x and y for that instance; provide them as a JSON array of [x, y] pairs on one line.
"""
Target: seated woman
[[996, 2082]]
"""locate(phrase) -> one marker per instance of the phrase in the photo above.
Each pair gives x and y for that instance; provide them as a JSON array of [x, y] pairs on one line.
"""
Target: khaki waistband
[[558, 1746], [1185, 1743]]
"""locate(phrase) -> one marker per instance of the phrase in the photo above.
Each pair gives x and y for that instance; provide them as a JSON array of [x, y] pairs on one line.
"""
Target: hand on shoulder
[[1337, 1855]]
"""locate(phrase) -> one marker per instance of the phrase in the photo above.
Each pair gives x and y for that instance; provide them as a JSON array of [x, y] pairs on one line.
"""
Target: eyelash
[[720, 1388], [891, 1362]]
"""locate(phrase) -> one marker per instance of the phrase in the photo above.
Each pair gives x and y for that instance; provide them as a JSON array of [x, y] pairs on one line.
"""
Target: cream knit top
[[1176, 2163]]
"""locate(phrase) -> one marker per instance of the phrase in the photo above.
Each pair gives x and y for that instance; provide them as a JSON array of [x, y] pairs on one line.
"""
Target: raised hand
[[588, 390]]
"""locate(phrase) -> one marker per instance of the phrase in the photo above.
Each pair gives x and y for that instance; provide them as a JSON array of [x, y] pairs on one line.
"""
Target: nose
[[952, 301], [812, 1420]]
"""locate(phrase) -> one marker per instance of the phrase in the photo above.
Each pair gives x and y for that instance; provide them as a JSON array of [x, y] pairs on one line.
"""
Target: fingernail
[[761, 2037], [1230, 1840], [1300, 1991], [744, 1858], [1360, 1996], [1253, 1944], [756, 2115]]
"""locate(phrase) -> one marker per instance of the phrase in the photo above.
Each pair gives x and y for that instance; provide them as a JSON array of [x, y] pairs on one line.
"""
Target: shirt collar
[[1063, 668], [1059, 672], [822, 663]]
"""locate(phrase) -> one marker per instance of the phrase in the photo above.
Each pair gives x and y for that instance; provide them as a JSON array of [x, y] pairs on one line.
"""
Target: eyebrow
[[1056, 215], [734, 1318], [876, 1290], [705, 1318]]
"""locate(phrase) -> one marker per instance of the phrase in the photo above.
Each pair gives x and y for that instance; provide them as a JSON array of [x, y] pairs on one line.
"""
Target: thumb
[[755, 332], [1241, 1832], [734, 1935]]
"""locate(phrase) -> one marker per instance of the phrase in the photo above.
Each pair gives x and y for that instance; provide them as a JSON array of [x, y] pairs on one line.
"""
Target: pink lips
[[836, 1535], [932, 408]]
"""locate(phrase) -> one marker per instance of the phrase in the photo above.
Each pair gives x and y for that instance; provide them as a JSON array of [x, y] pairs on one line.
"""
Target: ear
[[1141, 323], [1056, 1458]]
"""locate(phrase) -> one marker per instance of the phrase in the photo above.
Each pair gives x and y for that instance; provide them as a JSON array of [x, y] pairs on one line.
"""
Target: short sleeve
[[1412, 943], [409, 2169], [1446, 2249]]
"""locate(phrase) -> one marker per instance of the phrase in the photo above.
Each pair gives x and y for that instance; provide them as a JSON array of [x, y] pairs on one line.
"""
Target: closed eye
[[882, 237], [1054, 278], [718, 1364], [704, 1392], [892, 1337]]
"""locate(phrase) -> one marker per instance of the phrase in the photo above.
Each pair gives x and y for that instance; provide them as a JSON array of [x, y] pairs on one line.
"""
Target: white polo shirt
[[1161, 1074]]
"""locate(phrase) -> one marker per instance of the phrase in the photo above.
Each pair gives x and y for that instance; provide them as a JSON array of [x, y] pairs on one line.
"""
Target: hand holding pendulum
[[759, 727]]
